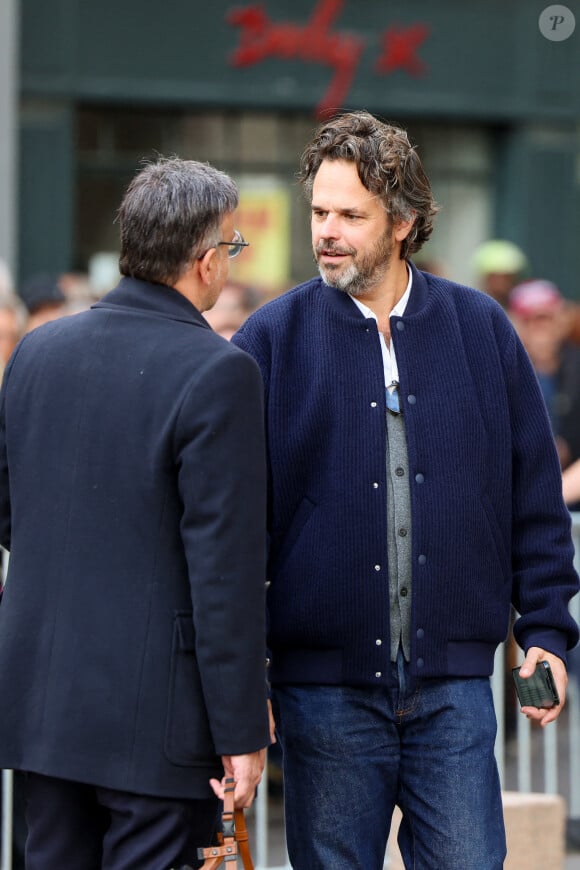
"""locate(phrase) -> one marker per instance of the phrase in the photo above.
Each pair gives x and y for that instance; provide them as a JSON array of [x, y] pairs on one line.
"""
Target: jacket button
[[378, 641], [420, 634], [420, 663], [373, 404], [422, 560], [400, 325], [378, 674], [377, 567], [419, 478], [412, 400], [375, 485]]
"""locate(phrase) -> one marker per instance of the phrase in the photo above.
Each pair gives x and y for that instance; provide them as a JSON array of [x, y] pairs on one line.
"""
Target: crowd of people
[[403, 499], [546, 320]]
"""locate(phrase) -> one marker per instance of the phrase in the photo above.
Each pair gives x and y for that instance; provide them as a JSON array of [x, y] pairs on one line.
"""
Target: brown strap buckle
[[232, 841]]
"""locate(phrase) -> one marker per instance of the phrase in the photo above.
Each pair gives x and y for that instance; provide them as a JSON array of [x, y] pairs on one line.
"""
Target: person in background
[[571, 494], [78, 291], [571, 483], [432, 264], [415, 493], [573, 321], [541, 317], [132, 502], [499, 265], [43, 298], [12, 324], [6, 283], [539, 313], [236, 302]]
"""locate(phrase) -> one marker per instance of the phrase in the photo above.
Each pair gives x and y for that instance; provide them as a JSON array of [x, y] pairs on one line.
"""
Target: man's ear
[[402, 229], [206, 266]]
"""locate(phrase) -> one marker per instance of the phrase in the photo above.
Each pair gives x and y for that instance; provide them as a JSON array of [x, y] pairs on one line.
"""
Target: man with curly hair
[[414, 496]]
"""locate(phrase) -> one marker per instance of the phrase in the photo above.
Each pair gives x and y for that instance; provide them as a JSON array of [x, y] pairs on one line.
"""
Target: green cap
[[499, 256]]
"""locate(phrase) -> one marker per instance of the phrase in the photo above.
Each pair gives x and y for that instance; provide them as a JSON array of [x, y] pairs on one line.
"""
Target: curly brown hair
[[387, 164]]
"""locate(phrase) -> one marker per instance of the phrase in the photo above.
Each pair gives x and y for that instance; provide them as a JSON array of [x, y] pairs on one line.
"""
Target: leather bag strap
[[233, 840], [243, 840]]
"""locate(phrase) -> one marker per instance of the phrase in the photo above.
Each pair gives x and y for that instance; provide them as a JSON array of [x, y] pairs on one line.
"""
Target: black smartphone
[[539, 690]]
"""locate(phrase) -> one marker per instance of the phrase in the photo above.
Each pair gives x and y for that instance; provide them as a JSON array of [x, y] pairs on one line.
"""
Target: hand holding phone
[[539, 690]]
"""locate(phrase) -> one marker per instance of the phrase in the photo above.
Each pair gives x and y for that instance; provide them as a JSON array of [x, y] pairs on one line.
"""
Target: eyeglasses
[[392, 396], [235, 246]]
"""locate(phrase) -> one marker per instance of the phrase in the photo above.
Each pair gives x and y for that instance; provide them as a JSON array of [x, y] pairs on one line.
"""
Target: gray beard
[[359, 279], [356, 281]]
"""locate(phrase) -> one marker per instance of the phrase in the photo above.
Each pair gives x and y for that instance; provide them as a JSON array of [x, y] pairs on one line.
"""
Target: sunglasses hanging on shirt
[[392, 396]]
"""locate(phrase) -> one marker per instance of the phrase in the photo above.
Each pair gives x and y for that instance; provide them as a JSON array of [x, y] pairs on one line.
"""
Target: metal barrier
[[6, 820], [560, 739]]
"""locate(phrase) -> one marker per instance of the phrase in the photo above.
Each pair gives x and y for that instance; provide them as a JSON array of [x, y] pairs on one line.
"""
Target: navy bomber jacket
[[489, 524]]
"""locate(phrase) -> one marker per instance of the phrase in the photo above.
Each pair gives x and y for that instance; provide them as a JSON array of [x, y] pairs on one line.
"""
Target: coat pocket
[[188, 739]]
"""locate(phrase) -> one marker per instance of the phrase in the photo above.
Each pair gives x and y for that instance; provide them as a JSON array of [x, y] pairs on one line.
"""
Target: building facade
[[489, 91]]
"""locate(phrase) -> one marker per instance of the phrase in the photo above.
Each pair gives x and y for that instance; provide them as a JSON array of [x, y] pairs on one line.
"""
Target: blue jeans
[[351, 754]]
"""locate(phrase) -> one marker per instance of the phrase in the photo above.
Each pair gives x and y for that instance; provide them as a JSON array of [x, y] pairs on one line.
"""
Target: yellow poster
[[263, 218]]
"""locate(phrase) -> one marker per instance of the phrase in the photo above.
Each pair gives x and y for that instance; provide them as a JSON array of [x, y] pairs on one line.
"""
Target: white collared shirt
[[389, 359]]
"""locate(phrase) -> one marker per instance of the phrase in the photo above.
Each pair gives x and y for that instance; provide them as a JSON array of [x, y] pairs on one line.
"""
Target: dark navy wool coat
[[132, 630]]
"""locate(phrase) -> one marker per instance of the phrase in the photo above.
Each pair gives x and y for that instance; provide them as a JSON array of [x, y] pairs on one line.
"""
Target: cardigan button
[[412, 400], [400, 325], [422, 560], [420, 478]]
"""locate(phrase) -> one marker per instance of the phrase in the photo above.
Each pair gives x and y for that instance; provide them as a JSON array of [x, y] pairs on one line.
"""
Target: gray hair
[[170, 215]]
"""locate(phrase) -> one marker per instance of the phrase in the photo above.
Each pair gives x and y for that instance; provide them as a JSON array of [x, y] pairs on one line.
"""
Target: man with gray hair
[[132, 501]]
